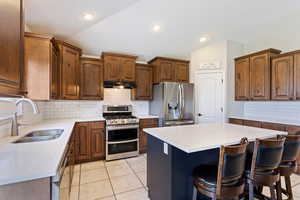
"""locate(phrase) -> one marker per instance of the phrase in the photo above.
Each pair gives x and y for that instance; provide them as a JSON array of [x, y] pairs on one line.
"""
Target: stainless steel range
[[122, 132]]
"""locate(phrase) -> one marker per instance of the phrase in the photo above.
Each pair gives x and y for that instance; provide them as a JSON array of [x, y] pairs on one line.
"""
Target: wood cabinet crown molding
[[270, 50], [38, 35], [166, 58], [60, 42], [118, 55]]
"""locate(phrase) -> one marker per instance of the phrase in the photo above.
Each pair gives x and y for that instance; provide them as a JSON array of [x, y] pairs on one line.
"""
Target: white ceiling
[[126, 25]]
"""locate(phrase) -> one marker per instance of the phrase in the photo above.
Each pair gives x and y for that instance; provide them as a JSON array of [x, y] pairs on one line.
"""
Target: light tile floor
[[116, 180], [122, 180]]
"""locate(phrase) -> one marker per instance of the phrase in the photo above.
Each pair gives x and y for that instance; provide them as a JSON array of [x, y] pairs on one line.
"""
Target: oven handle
[[110, 128], [125, 141]]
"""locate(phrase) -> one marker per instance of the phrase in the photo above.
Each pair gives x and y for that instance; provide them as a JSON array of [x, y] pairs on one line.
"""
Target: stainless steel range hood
[[119, 85]]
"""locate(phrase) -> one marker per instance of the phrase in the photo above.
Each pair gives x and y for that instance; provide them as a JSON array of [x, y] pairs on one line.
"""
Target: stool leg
[[272, 191], [279, 189], [195, 191], [289, 187], [251, 191]]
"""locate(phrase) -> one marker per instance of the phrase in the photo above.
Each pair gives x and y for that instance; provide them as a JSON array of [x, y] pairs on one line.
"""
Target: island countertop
[[200, 137]]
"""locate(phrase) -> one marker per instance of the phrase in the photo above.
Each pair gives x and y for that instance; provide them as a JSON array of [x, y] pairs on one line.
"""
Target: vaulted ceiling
[[127, 25]]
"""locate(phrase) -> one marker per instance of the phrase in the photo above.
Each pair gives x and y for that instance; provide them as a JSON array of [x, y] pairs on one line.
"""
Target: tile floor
[[121, 180], [115, 180]]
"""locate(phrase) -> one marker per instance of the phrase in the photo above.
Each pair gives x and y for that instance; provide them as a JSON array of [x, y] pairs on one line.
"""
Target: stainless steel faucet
[[15, 124]]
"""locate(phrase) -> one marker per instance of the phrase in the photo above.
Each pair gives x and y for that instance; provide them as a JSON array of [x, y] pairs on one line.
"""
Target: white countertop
[[145, 116], [267, 119], [194, 138], [29, 161]]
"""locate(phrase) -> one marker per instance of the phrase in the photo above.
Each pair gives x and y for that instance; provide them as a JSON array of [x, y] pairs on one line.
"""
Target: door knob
[[199, 114]]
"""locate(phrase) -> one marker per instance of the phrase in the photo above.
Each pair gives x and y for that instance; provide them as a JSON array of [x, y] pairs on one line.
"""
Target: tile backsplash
[[73, 109], [274, 110]]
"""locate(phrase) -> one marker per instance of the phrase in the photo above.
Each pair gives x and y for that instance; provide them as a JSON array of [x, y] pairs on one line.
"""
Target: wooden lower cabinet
[[145, 123], [90, 141], [273, 126], [252, 123]]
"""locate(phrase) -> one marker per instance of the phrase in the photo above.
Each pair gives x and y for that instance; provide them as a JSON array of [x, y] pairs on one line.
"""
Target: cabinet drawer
[[252, 123], [148, 123], [236, 121], [273, 126], [97, 125]]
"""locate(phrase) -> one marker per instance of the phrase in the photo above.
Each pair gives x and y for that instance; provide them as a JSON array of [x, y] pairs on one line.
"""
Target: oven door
[[118, 150], [122, 133]]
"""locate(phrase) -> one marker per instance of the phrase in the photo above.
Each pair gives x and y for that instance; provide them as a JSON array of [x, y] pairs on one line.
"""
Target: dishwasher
[[61, 182]]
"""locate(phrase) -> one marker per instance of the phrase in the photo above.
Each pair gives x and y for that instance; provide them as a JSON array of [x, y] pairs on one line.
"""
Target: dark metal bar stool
[[288, 165], [265, 161], [226, 179]]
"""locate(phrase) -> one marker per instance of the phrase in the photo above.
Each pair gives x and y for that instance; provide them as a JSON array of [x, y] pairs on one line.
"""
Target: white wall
[[224, 52]]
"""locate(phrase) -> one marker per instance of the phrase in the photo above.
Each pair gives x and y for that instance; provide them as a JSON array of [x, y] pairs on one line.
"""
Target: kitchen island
[[173, 153]]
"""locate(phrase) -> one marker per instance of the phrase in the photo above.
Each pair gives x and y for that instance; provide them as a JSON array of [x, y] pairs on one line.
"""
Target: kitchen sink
[[50, 132], [42, 135]]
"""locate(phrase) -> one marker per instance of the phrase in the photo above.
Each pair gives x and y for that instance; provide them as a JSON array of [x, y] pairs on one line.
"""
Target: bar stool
[[288, 165], [226, 179], [265, 161]]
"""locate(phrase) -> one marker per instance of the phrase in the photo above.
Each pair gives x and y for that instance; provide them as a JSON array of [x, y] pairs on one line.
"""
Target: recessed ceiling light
[[88, 16], [203, 39], [156, 28]]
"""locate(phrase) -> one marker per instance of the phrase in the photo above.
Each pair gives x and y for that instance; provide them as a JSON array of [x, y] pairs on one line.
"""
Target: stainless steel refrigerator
[[173, 103]]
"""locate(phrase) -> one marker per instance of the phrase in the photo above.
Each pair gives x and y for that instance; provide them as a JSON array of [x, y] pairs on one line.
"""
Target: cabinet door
[[273, 126], [128, 69], [297, 76], [143, 90], [145, 123], [97, 141], [166, 71], [55, 74], [11, 45], [112, 68], [283, 78], [70, 69], [91, 81], [260, 77], [236, 121], [181, 72], [242, 83], [252, 123], [83, 146]]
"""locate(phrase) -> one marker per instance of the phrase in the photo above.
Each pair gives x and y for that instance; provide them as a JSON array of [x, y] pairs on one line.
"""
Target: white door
[[209, 97]]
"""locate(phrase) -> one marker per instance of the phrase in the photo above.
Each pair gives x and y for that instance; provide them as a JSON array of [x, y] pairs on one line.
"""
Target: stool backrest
[[291, 148], [231, 163], [267, 154]]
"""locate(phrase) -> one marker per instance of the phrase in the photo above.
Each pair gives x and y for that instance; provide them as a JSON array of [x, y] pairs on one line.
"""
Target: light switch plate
[[166, 148]]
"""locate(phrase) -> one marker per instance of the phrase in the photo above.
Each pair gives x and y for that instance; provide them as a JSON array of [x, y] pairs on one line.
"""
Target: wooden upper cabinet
[[111, 68], [283, 78], [119, 67], [169, 70], [11, 46], [128, 69], [69, 70], [260, 77], [253, 75], [297, 75], [41, 67], [242, 81], [181, 72], [91, 79], [143, 90]]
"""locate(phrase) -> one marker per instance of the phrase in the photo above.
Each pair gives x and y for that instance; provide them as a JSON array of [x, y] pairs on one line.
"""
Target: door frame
[[200, 72]]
